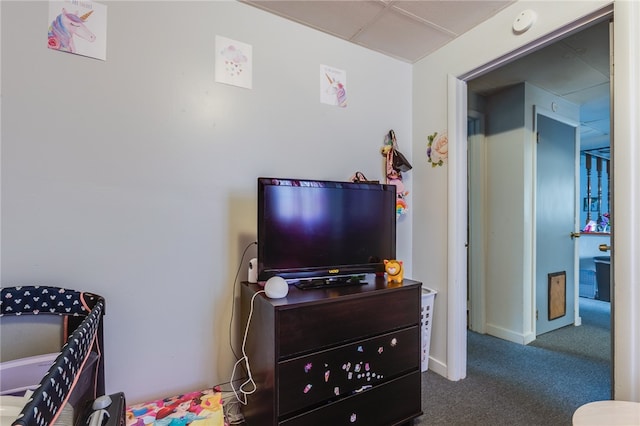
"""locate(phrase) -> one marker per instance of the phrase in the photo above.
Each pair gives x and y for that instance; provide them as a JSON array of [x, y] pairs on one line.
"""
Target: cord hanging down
[[243, 397]]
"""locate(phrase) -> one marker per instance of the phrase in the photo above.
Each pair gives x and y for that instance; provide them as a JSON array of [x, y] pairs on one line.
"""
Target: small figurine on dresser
[[394, 270]]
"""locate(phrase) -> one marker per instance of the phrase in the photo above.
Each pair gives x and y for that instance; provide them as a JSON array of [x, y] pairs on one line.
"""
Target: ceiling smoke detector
[[524, 21]]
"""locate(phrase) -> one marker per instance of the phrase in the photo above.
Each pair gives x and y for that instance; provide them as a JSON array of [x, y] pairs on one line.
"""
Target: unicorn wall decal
[[64, 27], [337, 88]]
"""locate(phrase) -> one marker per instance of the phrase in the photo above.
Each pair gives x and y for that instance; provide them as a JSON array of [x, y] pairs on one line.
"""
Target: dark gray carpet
[[511, 384], [591, 340]]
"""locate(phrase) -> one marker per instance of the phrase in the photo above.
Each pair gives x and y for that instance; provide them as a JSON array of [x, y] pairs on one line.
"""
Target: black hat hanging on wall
[[396, 163]]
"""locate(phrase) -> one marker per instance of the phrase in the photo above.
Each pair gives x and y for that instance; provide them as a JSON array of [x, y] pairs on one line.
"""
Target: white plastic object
[[276, 288], [101, 402], [524, 21], [253, 271], [97, 418]]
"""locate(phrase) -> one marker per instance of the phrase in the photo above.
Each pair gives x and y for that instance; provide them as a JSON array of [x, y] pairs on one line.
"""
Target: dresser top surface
[[373, 286]]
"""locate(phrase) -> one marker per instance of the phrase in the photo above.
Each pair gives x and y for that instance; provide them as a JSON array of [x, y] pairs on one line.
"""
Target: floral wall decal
[[437, 149]]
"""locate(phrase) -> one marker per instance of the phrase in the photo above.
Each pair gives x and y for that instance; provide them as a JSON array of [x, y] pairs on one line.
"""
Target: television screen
[[316, 229]]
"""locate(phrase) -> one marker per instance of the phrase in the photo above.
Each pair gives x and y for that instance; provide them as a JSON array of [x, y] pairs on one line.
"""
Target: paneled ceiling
[[576, 68], [405, 30]]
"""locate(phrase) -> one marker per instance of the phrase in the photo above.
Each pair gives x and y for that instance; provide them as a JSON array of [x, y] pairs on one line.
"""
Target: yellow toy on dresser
[[394, 270]]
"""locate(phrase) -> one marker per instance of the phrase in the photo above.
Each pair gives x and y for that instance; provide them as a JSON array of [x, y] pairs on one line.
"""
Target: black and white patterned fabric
[[41, 299], [57, 384]]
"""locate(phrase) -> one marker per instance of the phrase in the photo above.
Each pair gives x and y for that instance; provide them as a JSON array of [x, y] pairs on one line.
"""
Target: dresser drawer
[[311, 379], [321, 325], [394, 402]]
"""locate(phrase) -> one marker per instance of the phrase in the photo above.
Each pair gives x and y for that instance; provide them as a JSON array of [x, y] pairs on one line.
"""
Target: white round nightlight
[[276, 288]]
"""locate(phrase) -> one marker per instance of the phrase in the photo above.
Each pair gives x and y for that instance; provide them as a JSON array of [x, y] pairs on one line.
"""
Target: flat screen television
[[321, 229]]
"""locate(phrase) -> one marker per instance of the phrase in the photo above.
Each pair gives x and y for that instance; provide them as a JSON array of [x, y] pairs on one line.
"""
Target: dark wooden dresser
[[335, 356]]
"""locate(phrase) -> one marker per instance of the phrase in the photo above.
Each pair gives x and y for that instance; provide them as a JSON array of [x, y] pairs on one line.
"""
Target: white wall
[[590, 248], [506, 139], [135, 177]]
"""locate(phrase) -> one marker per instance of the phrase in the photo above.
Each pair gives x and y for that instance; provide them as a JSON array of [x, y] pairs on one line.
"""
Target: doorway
[[507, 234], [524, 334]]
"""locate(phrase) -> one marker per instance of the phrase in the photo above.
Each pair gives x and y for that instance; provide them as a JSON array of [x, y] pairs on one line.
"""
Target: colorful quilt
[[201, 408]]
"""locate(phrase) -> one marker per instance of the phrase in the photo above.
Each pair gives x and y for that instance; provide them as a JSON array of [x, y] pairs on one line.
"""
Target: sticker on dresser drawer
[[393, 402], [346, 369]]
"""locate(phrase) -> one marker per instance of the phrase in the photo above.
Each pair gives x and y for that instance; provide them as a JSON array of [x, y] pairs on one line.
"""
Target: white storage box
[[426, 317]]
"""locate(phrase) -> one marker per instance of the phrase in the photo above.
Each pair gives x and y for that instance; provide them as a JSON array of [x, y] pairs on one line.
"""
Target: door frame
[[626, 269], [476, 282], [457, 190]]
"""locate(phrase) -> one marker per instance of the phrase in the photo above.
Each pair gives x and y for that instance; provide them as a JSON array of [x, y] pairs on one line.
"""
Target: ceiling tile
[[592, 46], [555, 68], [398, 35], [591, 97], [561, 72], [600, 125], [340, 18], [452, 15]]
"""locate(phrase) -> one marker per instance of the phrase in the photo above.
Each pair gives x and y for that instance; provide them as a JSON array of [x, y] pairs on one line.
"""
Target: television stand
[[316, 283], [345, 356]]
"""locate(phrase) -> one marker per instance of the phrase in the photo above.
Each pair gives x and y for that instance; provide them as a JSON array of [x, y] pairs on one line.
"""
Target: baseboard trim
[[438, 367], [509, 335]]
